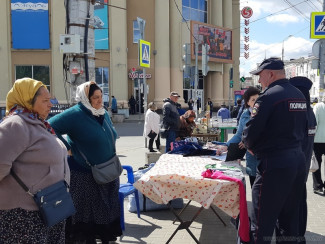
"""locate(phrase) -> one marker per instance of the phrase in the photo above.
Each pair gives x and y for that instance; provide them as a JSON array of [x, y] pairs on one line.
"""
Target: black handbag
[[152, 135], [54, 202], [163, 131], [108, 171]]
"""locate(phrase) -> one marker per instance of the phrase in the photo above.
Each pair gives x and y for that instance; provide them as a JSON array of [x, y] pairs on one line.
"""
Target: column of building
[[176, 74], [57, 27], [118, 54], [227, 23], [5, 52], [217, 82], [162, 59]]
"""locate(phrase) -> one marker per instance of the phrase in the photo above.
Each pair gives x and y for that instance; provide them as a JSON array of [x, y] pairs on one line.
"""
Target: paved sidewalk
[[157, 226]]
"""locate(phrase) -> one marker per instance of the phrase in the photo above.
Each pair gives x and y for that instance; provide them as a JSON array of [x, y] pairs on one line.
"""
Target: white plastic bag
[[313, 164]]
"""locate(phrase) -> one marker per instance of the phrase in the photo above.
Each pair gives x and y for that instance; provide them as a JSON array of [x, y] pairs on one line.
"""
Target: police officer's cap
[[271, 64], [300, 81]]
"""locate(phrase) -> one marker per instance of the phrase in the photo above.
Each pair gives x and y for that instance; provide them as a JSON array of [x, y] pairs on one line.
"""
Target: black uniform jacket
[[279, 120]]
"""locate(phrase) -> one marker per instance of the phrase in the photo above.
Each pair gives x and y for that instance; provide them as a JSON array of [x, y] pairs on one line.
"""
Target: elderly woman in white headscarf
[[90, 132]]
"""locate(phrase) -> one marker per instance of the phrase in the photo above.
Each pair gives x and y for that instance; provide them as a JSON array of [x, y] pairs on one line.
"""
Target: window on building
[[195, 10], [136, 32], [102, 78], [37, 72]]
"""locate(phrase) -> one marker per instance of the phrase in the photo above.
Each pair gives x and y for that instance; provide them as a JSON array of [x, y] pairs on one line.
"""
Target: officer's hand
[[250, 152]]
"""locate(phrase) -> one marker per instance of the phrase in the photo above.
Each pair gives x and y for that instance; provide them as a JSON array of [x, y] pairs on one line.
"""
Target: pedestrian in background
[[275, 134], [151, 126], [187, 124], [319, 145], [190, 104], [90, 137], [30, 148], [236, 108], [210, 106], [171, 120], [132, 103], [114, 105], [223, 112]]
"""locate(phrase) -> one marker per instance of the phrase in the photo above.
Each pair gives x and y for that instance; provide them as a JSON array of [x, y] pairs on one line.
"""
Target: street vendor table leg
[[184, 224], [182, 210], [222, 135], [218, 215]]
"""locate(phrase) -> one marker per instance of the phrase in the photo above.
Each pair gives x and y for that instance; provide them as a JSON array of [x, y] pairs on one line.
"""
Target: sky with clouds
[[275, 23]]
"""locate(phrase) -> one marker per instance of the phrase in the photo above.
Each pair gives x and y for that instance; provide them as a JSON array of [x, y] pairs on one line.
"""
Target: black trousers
[[319, 150], [150, 146], [276, 196]]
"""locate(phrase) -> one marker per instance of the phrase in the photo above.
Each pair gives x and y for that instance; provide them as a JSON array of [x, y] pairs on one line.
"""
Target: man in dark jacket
[[304, 85], [171, 120], [275, 134]]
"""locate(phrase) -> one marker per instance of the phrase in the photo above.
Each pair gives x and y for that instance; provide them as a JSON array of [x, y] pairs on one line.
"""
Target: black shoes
[[151, 150], [319, 191]]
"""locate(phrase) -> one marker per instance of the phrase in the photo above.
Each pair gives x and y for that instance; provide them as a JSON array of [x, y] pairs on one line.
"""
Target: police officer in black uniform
[[275, 134], [304, 85]]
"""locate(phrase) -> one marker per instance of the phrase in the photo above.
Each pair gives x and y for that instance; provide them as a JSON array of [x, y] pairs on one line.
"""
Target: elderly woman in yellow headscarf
[[30, 148]]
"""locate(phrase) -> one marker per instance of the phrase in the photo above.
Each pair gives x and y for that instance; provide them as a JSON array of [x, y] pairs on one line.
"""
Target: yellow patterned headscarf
[[22, 93]]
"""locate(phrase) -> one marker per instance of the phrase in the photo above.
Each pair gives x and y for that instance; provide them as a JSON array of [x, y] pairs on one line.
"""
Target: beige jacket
[[37, 157]]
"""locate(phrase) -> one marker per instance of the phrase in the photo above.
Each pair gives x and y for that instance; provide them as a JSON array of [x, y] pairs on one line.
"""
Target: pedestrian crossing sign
[[317, 25], [144, 53]]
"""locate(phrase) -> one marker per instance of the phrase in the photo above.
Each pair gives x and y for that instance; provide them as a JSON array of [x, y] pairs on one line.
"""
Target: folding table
[[175, 176]]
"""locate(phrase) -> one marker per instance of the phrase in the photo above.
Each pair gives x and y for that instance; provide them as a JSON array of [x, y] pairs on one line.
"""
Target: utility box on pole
[[70, 43]]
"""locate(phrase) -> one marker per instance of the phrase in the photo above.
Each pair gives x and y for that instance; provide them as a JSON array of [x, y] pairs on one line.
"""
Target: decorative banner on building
[[219, 39], [246, 12], [30, 24], [101, 24]]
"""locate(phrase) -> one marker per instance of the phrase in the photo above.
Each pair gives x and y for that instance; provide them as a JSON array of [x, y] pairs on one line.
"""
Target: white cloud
[[283, 19], [294, 47], [262, 8]]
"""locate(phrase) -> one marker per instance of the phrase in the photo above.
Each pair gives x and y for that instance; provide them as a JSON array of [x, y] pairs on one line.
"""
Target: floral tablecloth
[[175, 176]]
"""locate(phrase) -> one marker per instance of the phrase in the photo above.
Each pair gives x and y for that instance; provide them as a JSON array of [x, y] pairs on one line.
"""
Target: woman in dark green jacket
[[89, 130]]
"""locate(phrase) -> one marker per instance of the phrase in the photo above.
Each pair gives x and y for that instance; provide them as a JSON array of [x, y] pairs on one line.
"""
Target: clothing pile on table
[[188, 148]]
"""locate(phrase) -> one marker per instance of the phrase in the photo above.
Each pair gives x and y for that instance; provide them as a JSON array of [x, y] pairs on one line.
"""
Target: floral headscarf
[[82, 96]]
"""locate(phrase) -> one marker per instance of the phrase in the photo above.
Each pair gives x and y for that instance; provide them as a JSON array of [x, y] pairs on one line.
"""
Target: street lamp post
[[283, 45]]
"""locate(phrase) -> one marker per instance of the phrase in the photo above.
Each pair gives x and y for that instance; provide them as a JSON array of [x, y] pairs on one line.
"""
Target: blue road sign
[[317, 25]]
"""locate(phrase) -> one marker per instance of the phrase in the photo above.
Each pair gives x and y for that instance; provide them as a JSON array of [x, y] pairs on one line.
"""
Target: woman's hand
[[221, 149], [241, 145], [70, 152]]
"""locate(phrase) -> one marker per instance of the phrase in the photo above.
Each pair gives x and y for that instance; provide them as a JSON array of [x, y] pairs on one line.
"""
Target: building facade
[[301, 67], [169, 25]]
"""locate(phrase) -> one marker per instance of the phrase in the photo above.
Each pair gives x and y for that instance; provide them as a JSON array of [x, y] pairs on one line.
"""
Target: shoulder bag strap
[[21, 183], [111, 135], [84, 156]]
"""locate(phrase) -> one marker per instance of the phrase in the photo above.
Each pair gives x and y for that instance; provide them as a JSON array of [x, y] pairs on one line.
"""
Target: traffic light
[[205, 59], [242, 79], [231, 84], [187, 58]]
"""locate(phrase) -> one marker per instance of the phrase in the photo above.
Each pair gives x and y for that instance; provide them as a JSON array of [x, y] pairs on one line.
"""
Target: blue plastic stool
[[125, 190]]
